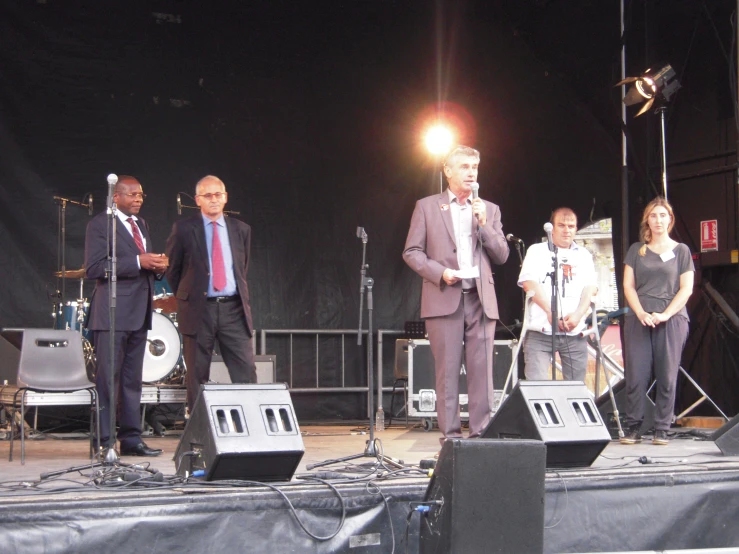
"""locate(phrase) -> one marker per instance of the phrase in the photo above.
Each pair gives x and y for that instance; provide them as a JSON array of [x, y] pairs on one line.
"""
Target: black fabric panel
[[312, 113]]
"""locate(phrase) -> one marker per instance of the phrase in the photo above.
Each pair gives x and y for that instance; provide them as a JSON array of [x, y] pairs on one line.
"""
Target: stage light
[[439, 140], [653, 85]]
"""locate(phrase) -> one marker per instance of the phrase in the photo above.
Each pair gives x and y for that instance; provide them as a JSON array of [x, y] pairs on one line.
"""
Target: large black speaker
[[559, 413], [489, 497], [241, 432], [605, 408], [727, 437]]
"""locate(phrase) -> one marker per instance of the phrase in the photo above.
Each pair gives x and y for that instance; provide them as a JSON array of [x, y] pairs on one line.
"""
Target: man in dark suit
[[136, 268], [209, 259], [452, 243]]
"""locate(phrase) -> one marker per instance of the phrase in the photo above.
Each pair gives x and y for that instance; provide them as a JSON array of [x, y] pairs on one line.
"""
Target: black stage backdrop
[[312, 114]]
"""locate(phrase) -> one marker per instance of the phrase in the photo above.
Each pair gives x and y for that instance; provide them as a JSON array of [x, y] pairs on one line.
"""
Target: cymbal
[[72, 273]]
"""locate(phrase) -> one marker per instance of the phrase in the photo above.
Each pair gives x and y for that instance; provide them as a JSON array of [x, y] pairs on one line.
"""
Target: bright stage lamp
[[439, 140], [652, 85]]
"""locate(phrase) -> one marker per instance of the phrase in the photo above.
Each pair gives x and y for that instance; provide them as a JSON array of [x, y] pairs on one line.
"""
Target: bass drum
[[163, 349]]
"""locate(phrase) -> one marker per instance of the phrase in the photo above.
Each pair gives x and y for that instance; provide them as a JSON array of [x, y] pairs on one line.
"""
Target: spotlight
[[438, 140], [655, 84]]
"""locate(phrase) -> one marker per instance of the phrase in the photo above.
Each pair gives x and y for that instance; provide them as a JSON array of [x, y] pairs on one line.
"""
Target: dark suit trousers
[[463, 334], [129, 361], [226, 322]]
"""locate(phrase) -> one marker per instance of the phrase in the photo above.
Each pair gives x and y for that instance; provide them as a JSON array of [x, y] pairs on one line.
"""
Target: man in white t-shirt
[[577, 284]]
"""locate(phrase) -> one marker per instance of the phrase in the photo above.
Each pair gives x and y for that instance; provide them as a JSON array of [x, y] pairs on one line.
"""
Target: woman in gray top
[[658, 280]]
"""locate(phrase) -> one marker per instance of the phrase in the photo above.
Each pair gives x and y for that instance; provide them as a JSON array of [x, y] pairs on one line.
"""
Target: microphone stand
[[519, 249], [555, 310], [371, 450], [111, 456]]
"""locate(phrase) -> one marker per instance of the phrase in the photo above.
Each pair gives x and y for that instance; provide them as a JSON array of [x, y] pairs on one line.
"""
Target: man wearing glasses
[[209, 259], [137, 266]]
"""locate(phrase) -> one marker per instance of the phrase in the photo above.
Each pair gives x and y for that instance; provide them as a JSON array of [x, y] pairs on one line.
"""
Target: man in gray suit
[[454, 239]]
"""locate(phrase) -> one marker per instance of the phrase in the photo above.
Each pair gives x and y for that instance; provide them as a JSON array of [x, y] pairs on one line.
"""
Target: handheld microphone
[[511, 238], [179, 204], [548, 229], [475, 188], [89, 206], [112, 180]]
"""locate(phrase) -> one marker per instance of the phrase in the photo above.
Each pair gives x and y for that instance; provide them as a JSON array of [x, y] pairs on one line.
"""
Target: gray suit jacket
[[430, 249]]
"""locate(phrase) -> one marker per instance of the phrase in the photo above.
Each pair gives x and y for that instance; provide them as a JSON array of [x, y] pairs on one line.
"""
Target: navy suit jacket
[[189, 269], [135, 286]]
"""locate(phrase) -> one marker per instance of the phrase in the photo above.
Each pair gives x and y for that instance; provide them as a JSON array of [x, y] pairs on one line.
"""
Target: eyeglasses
[[209, 195], [133, 194]]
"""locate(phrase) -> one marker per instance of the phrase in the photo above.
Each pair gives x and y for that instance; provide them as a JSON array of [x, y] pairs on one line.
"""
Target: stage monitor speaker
[[246, 432], [266, 369], [727, 437], [605, 408], [559, 413], [488, 497]]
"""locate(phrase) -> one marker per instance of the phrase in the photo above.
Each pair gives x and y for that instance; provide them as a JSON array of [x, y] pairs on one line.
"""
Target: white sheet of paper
[[468, 273]]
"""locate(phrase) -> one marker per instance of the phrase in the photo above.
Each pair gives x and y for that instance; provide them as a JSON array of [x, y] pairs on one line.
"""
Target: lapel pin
[[444, 207]]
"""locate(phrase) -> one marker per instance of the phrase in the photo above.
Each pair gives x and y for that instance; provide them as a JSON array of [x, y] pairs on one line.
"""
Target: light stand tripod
[[366, 283], [662, 110]]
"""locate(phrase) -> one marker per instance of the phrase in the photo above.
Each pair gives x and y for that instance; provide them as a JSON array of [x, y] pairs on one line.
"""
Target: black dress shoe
[[140, 450]]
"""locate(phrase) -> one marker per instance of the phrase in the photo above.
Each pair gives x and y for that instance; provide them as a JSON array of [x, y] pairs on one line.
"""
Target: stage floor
[[683, 495], [325, 442]]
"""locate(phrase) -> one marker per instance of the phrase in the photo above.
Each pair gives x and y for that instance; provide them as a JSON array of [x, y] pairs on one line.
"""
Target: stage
[[684, 495]]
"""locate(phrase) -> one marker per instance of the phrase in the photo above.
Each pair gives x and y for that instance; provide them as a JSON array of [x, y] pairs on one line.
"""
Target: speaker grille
[[229, 420]]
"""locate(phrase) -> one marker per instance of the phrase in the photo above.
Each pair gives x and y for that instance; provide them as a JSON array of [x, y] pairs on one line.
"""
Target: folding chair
[[52, 360]]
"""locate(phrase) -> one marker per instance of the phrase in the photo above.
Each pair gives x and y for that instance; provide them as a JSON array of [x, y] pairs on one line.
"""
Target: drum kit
[[163, 360]]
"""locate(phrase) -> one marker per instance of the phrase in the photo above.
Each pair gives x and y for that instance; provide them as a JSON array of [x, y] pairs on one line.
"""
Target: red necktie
[[137, 235], [219, 268]]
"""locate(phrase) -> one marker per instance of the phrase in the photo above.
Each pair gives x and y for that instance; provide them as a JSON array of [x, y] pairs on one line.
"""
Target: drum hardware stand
[[371, 450], [62, 242]]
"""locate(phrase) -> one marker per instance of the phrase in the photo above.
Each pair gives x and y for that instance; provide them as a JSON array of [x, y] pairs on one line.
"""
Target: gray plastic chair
[[52, 360]]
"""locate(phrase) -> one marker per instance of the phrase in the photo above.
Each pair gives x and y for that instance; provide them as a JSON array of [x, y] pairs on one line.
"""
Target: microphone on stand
[[179, 204], [548, 229], [112, 180], [511, 238], [89, 205]]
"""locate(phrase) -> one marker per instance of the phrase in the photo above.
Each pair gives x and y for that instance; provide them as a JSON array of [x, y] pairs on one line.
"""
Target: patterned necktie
[[137, 235], [219, 268]]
